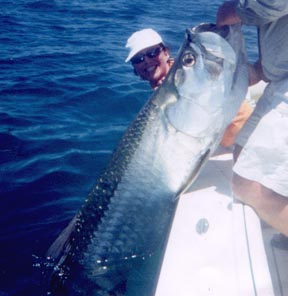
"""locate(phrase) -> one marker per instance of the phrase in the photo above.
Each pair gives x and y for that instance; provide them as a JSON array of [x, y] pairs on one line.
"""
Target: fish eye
[[188, 60]]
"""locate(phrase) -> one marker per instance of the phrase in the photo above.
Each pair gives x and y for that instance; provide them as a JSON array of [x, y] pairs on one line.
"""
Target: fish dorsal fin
[[195, 173]]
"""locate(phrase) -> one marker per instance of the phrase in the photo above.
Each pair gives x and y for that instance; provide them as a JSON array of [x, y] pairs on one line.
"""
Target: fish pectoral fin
[[203, 159], [57, 247]]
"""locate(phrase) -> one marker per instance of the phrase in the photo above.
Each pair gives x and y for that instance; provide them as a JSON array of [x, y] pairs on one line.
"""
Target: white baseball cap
[[140, 40]]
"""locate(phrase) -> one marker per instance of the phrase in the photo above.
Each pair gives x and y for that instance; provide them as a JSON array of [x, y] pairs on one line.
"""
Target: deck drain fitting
[[202, 226]]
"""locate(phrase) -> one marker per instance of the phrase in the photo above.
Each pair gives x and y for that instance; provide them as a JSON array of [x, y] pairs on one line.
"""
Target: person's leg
[[269, 205], [261, 167]]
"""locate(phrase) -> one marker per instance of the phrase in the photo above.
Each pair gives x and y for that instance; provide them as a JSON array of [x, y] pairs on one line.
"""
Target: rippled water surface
[[66, 98]]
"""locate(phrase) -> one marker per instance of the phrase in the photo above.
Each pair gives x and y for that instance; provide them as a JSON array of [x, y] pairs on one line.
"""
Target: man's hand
[[226, 14]]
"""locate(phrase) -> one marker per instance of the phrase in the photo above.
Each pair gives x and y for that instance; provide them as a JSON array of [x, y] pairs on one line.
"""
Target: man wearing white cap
[[149, 56], [151, 60]]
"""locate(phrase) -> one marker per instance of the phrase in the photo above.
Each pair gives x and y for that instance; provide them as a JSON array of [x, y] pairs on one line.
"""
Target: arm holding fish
[[227, 15], [251, 12], [260, 13]]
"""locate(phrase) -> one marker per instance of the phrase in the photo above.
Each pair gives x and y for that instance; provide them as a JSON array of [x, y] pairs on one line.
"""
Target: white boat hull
[[225, 256]]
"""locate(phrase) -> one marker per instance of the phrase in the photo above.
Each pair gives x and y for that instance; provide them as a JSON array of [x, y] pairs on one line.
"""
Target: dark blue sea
[[66, 97]]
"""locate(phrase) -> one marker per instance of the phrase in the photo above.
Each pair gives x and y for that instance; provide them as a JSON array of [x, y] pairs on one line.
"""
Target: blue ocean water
[[66, 97]]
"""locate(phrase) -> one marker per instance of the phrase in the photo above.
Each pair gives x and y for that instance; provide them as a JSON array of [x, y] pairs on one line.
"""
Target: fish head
[[202, 77], [206, 59]]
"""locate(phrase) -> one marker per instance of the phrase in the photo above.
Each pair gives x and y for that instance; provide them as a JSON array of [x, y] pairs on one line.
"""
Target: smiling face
[[151, 64]]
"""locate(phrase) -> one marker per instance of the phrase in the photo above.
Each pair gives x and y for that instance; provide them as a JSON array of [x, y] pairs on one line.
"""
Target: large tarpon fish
[[125, 221]]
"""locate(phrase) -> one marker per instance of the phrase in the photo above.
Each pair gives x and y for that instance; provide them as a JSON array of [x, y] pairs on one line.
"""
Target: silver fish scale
[[99, 199], [111, 228], [124, 232]]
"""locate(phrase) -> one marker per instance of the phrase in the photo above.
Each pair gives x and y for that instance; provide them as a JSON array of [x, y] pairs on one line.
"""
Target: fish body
[[126, 218]]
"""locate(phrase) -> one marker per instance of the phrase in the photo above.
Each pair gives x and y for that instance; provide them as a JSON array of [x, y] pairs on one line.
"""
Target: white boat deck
[[278, 262], [216, 246]]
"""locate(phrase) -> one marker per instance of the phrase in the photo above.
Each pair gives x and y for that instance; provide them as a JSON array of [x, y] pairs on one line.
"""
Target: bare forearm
[[256, 73]]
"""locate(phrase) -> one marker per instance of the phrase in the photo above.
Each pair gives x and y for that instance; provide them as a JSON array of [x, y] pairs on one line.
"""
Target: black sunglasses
[[139, 58]]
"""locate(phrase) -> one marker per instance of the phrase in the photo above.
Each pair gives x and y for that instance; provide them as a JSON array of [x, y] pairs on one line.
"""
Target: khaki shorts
[[264, 137]]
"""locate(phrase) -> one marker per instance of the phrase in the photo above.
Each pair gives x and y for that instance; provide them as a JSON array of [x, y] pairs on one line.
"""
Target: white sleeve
[[260, 12]]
